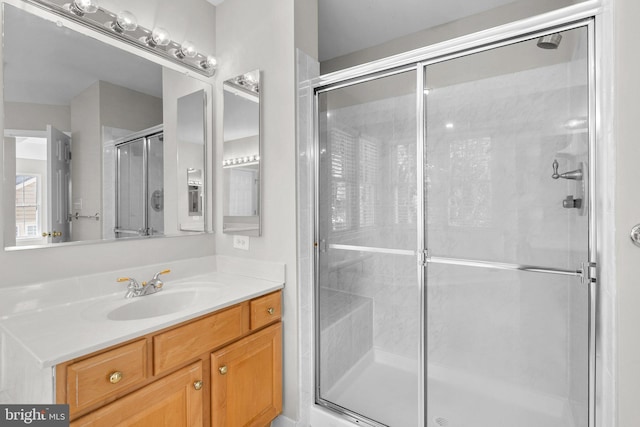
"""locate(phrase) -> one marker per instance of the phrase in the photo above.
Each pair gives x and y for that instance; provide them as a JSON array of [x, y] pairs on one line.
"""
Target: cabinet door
[[246, 384], [173, 401]]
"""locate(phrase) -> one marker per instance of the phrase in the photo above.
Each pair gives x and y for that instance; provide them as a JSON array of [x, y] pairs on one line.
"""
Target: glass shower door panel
[[506, 348], [499, 124], [368, 163], [368, 292], [155, 185], [506, 174], [130, 195]]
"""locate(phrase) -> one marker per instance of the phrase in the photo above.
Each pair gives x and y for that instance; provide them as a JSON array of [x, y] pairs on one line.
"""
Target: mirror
[[191, 142], [92, 133], [241, 155]]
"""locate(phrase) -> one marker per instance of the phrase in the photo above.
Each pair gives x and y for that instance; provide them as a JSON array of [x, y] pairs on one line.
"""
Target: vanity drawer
[[179, 345], [266, 309], [99, 377]]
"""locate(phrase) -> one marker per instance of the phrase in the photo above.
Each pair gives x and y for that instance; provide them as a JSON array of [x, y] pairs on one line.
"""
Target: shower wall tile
[[346, 334]]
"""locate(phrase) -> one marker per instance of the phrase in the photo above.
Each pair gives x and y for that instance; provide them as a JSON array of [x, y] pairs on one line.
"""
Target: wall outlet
[[241, 242]]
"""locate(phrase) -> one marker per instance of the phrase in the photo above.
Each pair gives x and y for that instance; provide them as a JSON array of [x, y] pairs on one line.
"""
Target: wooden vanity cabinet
[[246, 380], [175, 400], [174, 377]]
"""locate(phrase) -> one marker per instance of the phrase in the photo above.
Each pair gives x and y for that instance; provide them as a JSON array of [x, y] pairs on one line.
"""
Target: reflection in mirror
[[191, 138], [90, 133], [139, 177], [194, 181], [241, 155]]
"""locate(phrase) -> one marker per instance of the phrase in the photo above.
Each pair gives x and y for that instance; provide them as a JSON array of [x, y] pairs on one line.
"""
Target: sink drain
[[441, 421]]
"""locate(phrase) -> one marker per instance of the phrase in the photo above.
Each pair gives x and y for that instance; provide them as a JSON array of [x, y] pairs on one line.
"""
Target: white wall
[[193, 19], [255, 34], [25, 116], [86, 154], [102, 104], [626, 65], [500, 15]]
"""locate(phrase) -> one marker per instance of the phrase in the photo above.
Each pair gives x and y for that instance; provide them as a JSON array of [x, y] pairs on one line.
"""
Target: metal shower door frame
[[145, 136], [578, 16]]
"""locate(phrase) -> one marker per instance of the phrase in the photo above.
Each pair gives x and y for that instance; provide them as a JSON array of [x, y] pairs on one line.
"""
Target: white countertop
[[60, 332]]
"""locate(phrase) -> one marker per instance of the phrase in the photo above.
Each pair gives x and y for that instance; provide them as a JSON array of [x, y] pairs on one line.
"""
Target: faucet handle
[[133, 283], [155, 277]]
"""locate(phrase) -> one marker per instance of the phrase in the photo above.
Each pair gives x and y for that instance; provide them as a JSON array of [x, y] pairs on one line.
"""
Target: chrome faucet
[[134, 289]]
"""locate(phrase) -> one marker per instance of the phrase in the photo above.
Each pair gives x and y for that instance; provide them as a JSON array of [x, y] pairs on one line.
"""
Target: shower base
[[384, 387]]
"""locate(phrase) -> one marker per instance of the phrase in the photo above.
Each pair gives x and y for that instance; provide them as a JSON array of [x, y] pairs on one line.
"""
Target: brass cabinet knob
[[270, 310], [45, 234], [57, 233], [115, 377], [197, 384], [223, 370]]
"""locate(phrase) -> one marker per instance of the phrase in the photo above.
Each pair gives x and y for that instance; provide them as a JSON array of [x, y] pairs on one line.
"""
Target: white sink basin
[[157, 304], [167, 301]]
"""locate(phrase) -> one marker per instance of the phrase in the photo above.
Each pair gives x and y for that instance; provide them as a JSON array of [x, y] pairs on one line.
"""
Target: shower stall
[[139, 186], [455, 260]]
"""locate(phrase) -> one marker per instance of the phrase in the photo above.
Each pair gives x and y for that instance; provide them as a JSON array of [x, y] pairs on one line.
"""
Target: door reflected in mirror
[[93, 137], [241, 155]]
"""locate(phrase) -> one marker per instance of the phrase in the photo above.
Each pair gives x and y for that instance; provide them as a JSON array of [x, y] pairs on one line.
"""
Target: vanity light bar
[[111, 24], [241, 161]]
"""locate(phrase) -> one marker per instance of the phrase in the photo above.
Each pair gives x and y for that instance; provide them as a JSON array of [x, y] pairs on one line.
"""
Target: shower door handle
[[505, 266]]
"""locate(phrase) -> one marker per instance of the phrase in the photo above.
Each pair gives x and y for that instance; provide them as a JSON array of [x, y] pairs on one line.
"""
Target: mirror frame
[[43, 13]]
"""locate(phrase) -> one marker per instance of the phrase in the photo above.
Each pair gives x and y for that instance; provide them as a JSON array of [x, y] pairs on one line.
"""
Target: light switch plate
[[241, 242]]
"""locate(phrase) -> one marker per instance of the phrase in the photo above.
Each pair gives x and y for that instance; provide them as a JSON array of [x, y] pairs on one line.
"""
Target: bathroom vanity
[[225, 366], [206, 351]]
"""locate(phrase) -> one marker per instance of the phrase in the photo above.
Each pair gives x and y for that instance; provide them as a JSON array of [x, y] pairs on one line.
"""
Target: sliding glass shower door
[[368, 293], [507, 228], [140, 186], [455, 239]]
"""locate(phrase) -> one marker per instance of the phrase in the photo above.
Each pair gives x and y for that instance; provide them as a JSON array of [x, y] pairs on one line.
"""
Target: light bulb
[[187, 49], [80, 7], [159, 37], [126, 21], [210, 63]]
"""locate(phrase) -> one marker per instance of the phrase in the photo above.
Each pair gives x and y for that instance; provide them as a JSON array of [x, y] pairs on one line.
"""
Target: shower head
[[550, 41]]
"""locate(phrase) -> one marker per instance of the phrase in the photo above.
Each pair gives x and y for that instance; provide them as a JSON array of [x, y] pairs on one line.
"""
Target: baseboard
[[283, 421]]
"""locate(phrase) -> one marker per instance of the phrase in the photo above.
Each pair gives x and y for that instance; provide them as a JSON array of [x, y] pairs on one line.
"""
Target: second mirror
[[241, 155]]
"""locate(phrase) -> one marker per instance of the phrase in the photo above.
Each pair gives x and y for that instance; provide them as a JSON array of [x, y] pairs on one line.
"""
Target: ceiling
[[48, 64], [348, 26]]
